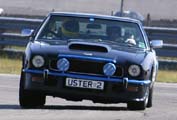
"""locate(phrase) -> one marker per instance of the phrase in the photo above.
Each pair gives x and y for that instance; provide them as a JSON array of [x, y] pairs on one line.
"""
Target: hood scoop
[[86, 46]]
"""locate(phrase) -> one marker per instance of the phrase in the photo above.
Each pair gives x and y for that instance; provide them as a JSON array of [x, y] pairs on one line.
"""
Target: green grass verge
[[167, 76], [16, 48], [13, 66], [10, 66]]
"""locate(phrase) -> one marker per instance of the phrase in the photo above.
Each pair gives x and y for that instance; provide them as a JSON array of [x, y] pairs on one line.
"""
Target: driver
[[114, 33]]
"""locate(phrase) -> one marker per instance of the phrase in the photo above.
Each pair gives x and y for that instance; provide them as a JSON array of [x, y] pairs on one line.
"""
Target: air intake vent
[[88, 47]]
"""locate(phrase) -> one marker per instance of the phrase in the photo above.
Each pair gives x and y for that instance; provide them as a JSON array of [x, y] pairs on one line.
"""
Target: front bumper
[[115, 90]]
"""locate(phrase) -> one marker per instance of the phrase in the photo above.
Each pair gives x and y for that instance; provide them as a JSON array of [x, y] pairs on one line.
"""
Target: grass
[[16, 48], [167, 76], [167, 58], [10, 66], [13, 66]]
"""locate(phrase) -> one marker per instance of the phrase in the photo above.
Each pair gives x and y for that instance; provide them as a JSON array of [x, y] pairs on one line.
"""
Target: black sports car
[[105, 59]]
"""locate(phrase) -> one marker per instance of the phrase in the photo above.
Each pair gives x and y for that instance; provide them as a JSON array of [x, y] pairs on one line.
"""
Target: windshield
[[62, 29]]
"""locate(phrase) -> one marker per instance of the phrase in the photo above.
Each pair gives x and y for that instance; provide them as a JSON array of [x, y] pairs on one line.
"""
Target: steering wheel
[[53, 33]]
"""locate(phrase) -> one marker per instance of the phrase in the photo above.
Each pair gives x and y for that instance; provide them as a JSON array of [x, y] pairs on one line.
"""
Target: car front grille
[[86, 67]]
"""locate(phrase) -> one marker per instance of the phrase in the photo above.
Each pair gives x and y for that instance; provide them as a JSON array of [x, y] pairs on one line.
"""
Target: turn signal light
[[132, 88], [36, 79]]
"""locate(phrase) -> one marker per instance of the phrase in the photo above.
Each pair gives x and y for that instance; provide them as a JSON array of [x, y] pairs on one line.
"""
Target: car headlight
[[38, 61], [63, 64], [109, 69], [134, 70]]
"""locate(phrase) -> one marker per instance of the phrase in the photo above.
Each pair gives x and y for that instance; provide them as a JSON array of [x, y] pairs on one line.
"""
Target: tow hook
[[45, 74], [125, 83]]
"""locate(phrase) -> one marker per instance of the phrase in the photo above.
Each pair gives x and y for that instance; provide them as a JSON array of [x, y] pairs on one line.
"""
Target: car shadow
[[81, 107], [69, 107], [5, 106]]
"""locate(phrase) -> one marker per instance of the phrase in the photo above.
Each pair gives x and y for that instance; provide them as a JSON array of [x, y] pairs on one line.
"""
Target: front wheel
[[139, 105], [30, 99]]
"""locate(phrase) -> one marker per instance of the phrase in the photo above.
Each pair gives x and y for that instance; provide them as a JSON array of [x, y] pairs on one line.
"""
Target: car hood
[[119, 54]]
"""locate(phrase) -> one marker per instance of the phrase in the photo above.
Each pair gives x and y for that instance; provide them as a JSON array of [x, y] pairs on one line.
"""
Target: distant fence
[[10, 29], [169, 37], [13, 23]]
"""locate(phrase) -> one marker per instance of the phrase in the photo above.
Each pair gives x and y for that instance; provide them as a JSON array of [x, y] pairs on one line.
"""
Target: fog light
[[109, 69], [63, 64]]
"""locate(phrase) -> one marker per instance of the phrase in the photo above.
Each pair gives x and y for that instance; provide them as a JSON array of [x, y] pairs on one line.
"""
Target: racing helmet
[[70, 28]]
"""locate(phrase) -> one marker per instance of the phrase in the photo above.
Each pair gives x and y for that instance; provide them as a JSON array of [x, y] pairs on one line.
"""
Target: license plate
[[81, 83]]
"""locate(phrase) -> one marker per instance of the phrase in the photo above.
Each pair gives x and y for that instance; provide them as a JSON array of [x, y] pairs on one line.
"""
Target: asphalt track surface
[[164, 107]]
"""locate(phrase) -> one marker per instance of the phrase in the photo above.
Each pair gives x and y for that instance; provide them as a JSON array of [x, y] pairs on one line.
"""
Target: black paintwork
[[123, 56]]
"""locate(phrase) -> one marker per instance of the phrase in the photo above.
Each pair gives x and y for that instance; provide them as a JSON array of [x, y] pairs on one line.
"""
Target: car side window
[[52, 30]]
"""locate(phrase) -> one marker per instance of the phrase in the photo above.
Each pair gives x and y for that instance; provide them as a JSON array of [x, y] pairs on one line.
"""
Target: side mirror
[[27, 32], [156, 43]]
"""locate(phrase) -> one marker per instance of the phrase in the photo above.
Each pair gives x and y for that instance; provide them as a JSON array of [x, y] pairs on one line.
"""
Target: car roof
[[99, 16], [130, 14]]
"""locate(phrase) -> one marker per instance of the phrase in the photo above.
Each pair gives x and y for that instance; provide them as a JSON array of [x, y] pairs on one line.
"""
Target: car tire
[[152, 77], [139, 105], [30, 99], [149, 104]]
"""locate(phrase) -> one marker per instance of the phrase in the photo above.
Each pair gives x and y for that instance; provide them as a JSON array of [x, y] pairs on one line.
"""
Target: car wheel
[[139, 105], [30, 99]]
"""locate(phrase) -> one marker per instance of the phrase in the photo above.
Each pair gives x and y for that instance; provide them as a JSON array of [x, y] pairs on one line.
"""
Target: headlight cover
[[134, 70], [109, 69], [38, 61], [63, 64]]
